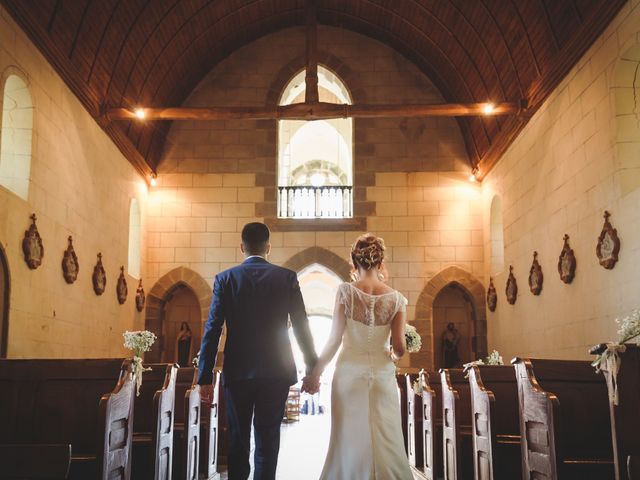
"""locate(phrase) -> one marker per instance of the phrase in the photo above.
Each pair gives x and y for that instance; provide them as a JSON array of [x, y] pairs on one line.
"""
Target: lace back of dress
[[374, 310]]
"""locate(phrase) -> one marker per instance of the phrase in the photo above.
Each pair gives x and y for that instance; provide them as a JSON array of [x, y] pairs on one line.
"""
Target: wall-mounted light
[[140, 113], [488, 108], [475, 173], [153, 182]]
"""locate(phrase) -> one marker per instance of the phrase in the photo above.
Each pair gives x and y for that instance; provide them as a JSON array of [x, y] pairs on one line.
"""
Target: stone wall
[[410, 184], [577, 157], [80, 185]]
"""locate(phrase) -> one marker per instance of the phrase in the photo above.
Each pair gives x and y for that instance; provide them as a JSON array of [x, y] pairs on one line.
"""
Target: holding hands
[[311, 384]]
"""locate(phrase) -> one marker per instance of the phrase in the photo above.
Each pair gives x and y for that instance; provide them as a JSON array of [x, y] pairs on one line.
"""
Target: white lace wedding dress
[[366, 432]]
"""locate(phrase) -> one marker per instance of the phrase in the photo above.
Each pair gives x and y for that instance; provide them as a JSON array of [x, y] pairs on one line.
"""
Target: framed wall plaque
[[140, 297], [99, 277], [492, 296], [70, 264], [32, 246], [121, 287], [535, 276], [608, 244], [567, 262], [512, 287]]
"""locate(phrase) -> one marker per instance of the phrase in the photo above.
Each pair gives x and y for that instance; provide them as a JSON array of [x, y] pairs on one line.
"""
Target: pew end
[[556, 397]]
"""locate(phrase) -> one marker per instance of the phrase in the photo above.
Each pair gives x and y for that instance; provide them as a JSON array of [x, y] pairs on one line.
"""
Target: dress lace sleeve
[[343, 298], [402, 302]]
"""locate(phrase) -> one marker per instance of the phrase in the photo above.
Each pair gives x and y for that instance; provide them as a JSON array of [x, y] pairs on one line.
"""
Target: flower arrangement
[[412, 339], [139, 342], [608, 361], [494, 358], [418, 385]]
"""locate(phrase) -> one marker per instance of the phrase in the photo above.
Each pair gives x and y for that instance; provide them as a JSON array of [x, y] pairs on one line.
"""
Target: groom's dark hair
[[255, 238]]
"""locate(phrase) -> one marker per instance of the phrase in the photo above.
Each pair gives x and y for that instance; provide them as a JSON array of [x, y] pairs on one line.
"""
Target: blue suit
[[255, 300]]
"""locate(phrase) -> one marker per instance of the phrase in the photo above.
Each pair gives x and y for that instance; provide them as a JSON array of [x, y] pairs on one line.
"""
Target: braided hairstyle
[[367, 251]]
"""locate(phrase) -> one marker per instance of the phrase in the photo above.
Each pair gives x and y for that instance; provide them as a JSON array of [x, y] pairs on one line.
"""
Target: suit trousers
[[264, 400]]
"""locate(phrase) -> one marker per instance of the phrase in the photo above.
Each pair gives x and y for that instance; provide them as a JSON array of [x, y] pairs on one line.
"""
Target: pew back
[[456, 425], [432, 425], [495, 423], [153, 425], [210, 433], [415, 450], [564, 421], [187, 425], [66, 402]]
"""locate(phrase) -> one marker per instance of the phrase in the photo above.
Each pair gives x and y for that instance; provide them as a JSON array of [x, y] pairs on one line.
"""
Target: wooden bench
[[495, 422], [457, 442], [432, 425], [186, 438], [210, 431], [153, 423], [564, 420], [47, 405], [415, 449], [624, 417]]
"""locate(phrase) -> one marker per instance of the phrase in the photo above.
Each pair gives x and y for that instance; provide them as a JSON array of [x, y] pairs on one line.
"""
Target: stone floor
[[303, 446]]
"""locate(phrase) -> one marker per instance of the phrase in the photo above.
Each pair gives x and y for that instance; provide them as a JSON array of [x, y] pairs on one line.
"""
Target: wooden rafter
[[316, 111]]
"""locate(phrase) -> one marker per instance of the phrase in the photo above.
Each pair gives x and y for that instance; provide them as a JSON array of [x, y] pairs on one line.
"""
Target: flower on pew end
[[418, 384], [196, 360], [412, 339], [140, 342], [494, 358]]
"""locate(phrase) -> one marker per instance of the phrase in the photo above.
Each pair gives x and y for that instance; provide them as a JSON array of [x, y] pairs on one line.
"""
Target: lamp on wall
[[475, 173], [140, 113], [489, 108], [153, 182]]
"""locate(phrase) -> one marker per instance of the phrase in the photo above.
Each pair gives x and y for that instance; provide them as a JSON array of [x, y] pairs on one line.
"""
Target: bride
[[366, 434]]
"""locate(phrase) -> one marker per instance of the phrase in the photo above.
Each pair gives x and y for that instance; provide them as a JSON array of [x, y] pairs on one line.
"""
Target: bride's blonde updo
[[367, 251]]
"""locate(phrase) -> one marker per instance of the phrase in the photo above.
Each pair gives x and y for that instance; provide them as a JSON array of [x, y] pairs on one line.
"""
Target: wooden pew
[[624, 417], [495, 422], [456, 425], [415, 449], [153, 424], [186, 444], [223, 427], [564, 420], [48, 405], [210, 431], [432, 425], [17, 461]]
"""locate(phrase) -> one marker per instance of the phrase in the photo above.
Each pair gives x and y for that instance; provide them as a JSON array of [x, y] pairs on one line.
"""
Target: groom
[[255, 299]]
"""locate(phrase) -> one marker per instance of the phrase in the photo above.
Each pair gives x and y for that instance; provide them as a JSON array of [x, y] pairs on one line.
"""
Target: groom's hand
[[311, 384], [206, 394]]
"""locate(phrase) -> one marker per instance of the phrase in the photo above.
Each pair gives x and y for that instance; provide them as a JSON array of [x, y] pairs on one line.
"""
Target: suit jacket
[[255, 299]]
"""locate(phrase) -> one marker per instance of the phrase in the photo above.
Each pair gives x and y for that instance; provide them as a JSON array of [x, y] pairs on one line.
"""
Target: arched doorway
[[181, 326], [4, 303], [453, 307], [463, 292], [180, 295]]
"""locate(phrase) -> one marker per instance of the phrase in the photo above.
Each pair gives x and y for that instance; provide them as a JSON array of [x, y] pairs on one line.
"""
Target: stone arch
[[323, 257], [161, 292], [474, 292], [5, 295], [328, 60], [625, 89]]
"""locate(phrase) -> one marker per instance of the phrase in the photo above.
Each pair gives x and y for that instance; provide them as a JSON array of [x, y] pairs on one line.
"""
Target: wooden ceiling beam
[[311, 94], [317, 111]]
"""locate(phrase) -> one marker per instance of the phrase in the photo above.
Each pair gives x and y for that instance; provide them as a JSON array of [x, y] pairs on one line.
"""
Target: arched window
[[497, 236], [135, 231], [315, 158], [15, 140]]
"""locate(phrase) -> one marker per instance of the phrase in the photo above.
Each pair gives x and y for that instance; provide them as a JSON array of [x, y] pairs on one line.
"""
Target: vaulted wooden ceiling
[[123, 53]]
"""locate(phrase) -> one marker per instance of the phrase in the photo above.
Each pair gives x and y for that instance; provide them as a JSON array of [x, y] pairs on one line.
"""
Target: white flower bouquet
[[412, 339], [139, 342], [608, 359], [494, 358]]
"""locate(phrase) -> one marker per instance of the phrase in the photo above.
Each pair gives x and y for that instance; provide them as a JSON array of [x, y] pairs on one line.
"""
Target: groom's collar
[[254, 259]]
